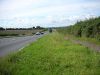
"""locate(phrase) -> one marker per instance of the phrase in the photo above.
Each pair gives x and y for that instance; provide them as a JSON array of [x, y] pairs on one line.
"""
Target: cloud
[[17, 9], [16, 4], [48, 12]]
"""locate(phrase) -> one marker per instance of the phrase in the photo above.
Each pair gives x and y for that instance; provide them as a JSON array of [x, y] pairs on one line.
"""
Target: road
[[9, 45]]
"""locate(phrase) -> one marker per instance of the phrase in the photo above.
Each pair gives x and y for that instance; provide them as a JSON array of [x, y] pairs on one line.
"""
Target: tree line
[[37, 27], [89, 28]]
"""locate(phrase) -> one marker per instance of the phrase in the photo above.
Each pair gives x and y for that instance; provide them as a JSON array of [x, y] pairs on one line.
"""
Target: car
[[42, 32], [38, 33]]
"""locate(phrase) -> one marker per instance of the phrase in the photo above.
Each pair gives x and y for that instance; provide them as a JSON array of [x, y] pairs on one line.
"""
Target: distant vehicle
[[38, 33], [42, 32], [50, 30]]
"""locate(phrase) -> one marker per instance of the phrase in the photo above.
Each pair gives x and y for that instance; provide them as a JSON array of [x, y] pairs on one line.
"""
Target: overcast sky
[[46, 13]]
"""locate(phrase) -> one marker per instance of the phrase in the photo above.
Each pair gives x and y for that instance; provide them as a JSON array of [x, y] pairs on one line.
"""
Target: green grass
[[91, 40], [70, 36], [52, 55]]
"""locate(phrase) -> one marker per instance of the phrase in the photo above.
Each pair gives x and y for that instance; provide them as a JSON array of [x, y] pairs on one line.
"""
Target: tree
[[38, 27], [33, 27], [1, 28]]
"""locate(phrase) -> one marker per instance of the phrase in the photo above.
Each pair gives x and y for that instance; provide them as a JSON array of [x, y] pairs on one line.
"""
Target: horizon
[[51, 27], [46, 13]]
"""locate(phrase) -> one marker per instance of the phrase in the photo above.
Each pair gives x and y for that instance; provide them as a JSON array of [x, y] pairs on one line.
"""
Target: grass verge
[[71, 36], [52, 55]]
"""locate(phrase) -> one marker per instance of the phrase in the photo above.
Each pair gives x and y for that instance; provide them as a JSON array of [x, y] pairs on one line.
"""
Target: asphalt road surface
[[9, 45]]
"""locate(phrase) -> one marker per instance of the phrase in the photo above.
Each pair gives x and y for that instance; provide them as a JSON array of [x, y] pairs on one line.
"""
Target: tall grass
[[88, 28], [52, 55]]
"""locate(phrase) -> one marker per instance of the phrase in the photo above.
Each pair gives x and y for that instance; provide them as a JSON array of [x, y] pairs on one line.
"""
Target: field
[[52, 55], [18, 32]]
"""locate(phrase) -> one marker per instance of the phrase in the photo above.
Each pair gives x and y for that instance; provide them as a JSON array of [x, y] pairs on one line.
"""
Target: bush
[[88, 28]]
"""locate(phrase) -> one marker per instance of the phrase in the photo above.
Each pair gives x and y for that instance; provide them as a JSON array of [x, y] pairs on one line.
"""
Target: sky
[[46, 13]]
